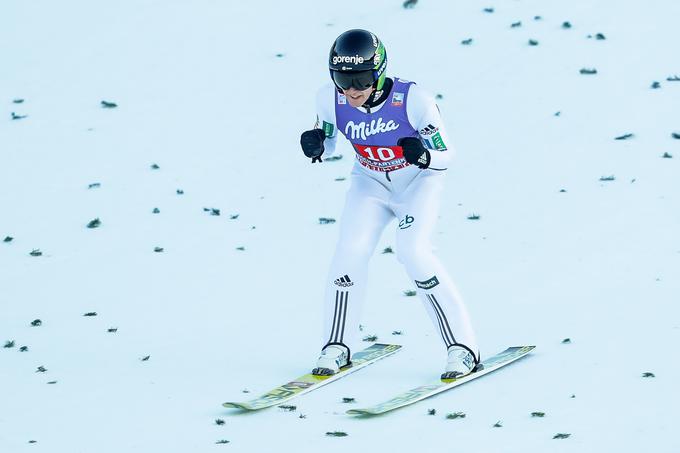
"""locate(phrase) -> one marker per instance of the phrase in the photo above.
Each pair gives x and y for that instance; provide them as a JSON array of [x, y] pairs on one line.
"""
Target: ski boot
[[460, 362], [333, 357]]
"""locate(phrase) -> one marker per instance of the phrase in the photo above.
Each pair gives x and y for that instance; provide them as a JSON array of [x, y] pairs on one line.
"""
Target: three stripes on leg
[[444, 327], [338, 327]]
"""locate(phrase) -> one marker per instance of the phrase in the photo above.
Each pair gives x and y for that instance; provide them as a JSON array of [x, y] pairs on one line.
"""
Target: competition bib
[[380, 158]]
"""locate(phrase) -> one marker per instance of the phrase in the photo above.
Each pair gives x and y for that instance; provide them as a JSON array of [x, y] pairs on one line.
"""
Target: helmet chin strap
[[376, 93]]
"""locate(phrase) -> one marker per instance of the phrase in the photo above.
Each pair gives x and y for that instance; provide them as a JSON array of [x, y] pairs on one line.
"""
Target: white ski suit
[[384, 186]]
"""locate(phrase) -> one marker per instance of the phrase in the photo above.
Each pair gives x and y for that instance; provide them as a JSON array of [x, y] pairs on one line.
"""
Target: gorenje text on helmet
[[356, 59]]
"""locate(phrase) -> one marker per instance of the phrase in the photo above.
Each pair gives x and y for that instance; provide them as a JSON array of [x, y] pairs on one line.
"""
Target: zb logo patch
[[406, 222]]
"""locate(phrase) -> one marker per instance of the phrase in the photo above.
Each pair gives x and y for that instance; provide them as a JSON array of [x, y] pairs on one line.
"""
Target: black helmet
[[357, 59]]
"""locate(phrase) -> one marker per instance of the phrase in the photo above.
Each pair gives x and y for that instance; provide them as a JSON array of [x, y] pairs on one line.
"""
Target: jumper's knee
[[354, 250], [412, 253]]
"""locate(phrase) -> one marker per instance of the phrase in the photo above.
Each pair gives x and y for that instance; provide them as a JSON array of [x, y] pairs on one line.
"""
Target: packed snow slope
[[577, 236]]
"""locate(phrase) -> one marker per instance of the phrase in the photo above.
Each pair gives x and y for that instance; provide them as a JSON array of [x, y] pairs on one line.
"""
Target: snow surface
[[216, 94]]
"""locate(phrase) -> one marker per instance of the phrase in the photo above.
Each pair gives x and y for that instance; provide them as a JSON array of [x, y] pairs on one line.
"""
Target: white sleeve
[[423, 114], [325, 117]]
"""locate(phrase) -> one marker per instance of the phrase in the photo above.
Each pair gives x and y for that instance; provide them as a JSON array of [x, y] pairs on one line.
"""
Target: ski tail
[[425, 391], [308, 382]]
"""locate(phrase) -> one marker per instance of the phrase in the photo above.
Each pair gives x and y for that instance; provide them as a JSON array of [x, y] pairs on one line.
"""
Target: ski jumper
[[385, 186]]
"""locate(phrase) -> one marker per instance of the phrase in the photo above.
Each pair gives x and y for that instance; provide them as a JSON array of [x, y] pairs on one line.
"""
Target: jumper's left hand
[[414, 152]]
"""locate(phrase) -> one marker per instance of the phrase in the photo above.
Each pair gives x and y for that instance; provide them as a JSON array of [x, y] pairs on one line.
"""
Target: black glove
[[312, 143], [414, 152]]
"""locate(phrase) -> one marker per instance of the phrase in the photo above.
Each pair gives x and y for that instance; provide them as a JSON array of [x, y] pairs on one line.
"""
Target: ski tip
[[234, 405], [359, 412]]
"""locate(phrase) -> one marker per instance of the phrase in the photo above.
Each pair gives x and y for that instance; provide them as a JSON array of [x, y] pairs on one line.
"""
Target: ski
[[308, 382], [425, 391]]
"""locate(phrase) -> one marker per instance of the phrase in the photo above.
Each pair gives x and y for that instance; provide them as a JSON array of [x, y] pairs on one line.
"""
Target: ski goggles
[[361, 80]]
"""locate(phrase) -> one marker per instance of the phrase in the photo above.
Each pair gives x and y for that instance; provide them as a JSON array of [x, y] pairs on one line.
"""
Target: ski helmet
[[357, 59]]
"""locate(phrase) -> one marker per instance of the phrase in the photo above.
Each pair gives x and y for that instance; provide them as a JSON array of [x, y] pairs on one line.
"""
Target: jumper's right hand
[[312, 143]]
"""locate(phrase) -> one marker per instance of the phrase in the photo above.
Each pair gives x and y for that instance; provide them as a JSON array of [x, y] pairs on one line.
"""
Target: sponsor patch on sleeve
[[328, 129], [438, 142]]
